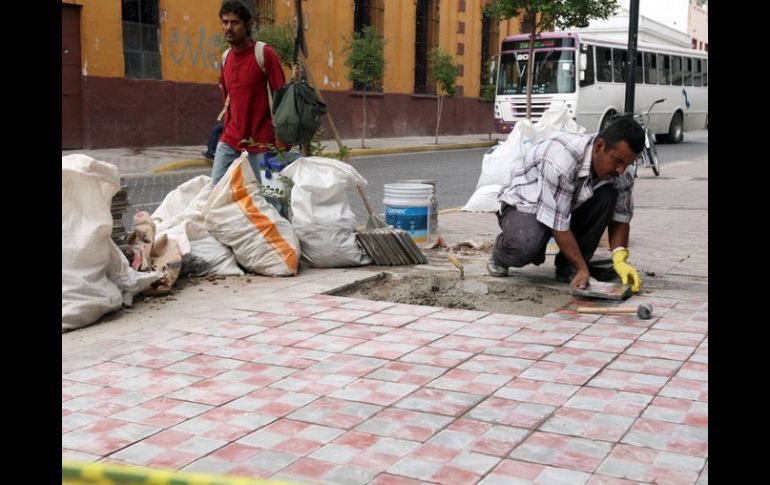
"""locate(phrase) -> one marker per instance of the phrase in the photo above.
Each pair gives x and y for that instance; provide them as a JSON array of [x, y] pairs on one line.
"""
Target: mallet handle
[[605, 310]]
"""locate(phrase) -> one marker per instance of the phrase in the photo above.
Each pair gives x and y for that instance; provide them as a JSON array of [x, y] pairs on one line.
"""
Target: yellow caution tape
[[79, 473]]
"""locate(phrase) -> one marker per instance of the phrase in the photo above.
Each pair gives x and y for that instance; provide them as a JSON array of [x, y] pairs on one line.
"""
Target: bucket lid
[[418, 181]]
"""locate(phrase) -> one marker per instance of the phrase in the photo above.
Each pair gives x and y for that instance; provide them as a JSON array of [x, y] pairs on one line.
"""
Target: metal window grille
[[490, 43], [141, 51], [426, 38], [368, 13], [263, 12]]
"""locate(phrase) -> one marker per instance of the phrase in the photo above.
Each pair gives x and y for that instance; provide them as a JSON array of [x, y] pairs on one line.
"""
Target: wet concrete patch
[[491, 295]]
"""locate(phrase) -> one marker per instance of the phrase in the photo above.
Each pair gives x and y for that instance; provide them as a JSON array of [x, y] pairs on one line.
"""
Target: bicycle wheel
[[652, 155]]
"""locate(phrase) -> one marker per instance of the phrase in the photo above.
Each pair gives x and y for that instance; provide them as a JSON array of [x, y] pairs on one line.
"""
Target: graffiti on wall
[[205, 51]]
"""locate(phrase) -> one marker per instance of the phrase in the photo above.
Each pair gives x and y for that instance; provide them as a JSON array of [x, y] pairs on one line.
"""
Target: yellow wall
[[101, 34], [190, 40]]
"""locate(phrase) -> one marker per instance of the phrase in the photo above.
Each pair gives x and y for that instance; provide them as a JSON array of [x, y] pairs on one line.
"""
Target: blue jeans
[[225, 156]]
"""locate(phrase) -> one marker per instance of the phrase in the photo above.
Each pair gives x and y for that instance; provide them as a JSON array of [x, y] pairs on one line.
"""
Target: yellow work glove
[[625, 270]]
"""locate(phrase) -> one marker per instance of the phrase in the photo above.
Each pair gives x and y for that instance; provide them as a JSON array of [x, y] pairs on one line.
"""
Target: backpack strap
[[259, 53]]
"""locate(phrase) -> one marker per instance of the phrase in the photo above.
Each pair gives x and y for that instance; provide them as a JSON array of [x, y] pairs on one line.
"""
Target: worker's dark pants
[[524, 238]]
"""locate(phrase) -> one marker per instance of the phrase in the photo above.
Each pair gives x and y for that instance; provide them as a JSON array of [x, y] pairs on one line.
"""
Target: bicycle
[[649, 155]]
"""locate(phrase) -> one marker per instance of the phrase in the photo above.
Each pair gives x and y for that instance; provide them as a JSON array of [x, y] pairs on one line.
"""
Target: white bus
[[587, 74]]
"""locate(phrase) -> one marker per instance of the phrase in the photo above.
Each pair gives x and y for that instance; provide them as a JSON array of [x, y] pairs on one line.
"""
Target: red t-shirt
[[248, 114]]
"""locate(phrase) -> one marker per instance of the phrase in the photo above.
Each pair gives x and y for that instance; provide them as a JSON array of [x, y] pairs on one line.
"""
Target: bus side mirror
[[583, 61], [582, 75]]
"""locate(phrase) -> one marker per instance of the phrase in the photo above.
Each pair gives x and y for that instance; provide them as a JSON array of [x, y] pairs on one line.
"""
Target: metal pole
[[633, 31]]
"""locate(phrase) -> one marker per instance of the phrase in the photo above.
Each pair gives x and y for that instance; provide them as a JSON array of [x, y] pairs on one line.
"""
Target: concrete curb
[[354, 152]]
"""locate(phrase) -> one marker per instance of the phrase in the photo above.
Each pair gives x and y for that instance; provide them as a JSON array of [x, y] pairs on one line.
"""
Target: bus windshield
[[554, 72]]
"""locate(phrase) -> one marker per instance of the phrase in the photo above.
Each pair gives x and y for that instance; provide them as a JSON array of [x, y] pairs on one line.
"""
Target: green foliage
[[487, 94], [319, 150], [444, 71], [365, 57], [559, 13], [280, 38]]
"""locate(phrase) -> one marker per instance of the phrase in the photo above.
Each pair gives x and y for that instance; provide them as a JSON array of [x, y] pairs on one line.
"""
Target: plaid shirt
[[556, 178]]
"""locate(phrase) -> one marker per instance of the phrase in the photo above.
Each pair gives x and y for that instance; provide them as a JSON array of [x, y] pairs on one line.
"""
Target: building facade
[[144, 72]]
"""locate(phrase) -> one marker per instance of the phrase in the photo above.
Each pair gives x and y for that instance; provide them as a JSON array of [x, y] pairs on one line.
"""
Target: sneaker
[[495, 269]]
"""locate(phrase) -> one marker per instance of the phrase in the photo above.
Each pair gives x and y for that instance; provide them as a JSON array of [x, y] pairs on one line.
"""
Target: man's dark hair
[[240, 10], [623, 128]]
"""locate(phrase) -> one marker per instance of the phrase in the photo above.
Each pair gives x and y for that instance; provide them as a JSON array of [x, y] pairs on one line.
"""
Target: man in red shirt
[[247, 114]]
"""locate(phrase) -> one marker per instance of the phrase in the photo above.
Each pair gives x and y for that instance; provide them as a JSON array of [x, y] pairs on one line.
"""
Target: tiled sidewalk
[[341, 390]]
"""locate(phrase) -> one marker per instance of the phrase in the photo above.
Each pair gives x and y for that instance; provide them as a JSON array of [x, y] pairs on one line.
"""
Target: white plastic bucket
[[433, 205], [408, 207]]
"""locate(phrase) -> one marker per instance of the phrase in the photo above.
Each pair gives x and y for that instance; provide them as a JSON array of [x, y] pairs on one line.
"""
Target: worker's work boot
[[495, 269]]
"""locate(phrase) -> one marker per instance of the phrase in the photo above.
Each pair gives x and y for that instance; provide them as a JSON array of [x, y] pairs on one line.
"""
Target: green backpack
[[296, 113]]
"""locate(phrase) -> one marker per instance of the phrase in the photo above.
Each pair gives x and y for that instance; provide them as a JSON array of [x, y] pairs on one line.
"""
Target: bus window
[[705, 72], [676, 70], [619, 65], [664, 69], [589, 72], [687, 70], [697, 79], [651, 68], [604, 64], [510, 76], [639, 69]]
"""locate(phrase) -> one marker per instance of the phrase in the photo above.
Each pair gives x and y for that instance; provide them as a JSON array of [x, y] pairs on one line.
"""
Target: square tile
[[628, 381], [313, 382], [366, 451], [515, 321], [408, 336], [404, 424], [294, 357], [463, 343], [653, 466], [359, 331], [525, 473], [152, 357], [387, 319], [406, 373], [506, 348], [244, 350], [661, 435], [203, 365], [162, 412], [435, 325], [541, 337], [609, 401], [290, 436], [231, 330], [510, 413], [196, 343], [157, 382], [679, 411], [105, 436], [487, 330], [348, 365], [686, 389], [335, 412], [272, 402], [281, 336], [562, 451], [660, 350], [368, 305], [222, 423], [580, 356], [537, 392], [311, 325], [105, 374], [72, 389], [411, 310], [645, 365], [494, 364], [694, 371], [265, 319], [436, 357], [469, 381], [437, 401], [672, 338], [342, 315], [330, 343], [381, 350], [258, 375], [588, 424], [458, 314], [373, 391], [562, 373], [214, 391], [478, 436]]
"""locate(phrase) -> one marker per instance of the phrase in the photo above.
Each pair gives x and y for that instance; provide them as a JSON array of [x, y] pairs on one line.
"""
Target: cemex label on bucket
[[413, 220], [407, 207]]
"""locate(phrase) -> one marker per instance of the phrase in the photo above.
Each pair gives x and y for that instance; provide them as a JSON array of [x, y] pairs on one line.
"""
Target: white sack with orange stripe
[[263, 242]]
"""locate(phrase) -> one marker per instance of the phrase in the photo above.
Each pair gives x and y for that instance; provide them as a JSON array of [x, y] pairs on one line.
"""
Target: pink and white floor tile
[[404, 424], [609, 401], [652, 466], [645, 365], [510, 413], [561, 451], [537, 392], [439, 401], [406, 373], [695, 390], [525, 473], [679, 411], [677, 438], [588, 424]]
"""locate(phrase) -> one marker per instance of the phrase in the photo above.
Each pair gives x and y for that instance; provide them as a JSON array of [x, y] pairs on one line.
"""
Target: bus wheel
[[675, 129], [607, 120]]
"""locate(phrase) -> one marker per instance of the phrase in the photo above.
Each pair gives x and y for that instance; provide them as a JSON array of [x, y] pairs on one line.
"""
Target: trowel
[[604, 291], [467, 286]]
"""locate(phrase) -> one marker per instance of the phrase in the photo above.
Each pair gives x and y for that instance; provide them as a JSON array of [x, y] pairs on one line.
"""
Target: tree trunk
[[363, 127], [438, 116]]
